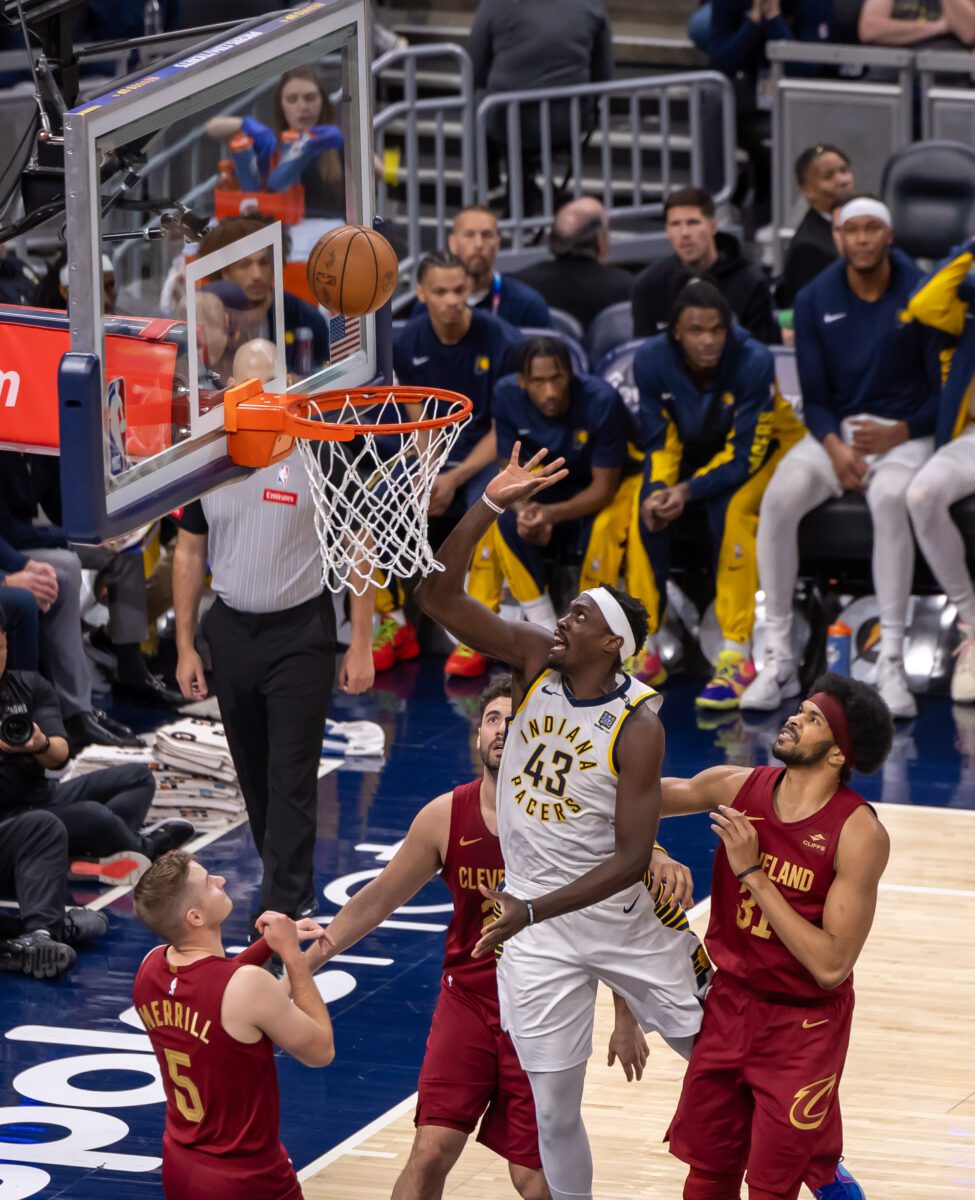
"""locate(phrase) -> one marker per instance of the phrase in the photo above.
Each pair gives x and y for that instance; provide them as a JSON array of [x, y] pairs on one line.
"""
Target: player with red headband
[[793, 896]]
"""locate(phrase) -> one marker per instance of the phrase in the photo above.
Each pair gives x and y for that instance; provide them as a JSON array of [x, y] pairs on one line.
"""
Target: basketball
[[352, 270]]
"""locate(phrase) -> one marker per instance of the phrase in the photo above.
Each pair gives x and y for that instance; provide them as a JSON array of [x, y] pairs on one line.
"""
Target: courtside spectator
[[579, 277], [912, 22], [708, 408], [825, 178], [870, 384], [700, 249], [254, 275], [33, 841], [579, 418], [543, 44], [944, 301], [476, 240]]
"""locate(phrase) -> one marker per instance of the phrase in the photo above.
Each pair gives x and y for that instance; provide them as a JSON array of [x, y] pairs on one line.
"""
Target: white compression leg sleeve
[[943, 480], [893, 552], [796, 488], [562, 1140]]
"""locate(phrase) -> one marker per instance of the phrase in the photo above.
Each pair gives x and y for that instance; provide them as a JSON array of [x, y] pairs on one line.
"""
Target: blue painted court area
[[81, 1108]]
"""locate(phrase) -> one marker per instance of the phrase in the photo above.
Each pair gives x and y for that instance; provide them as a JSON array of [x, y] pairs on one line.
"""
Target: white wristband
[[491, 505], [531, 912]]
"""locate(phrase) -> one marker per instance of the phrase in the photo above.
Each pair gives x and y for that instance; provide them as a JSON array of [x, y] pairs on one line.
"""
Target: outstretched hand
[[519, 483]]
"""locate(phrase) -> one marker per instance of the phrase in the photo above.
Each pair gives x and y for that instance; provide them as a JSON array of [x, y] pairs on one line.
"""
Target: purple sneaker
[[843, 1187]]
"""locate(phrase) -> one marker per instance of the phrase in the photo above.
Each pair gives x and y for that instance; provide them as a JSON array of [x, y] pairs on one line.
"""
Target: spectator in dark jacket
[[541, 44], [825, 178], [579, 277], [699, 249]]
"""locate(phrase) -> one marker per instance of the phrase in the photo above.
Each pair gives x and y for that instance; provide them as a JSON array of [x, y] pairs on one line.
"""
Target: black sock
[[131, 665]]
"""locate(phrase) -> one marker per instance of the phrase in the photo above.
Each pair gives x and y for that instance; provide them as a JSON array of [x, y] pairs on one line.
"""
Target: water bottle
[[304, 349], [245, 162], [839, 639], [292, 144]]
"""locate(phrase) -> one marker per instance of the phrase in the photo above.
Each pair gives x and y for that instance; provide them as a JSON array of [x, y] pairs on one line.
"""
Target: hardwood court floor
[[908, 1092]]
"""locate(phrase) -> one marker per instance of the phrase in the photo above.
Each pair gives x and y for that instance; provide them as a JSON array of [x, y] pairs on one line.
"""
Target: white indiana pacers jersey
[[557, 782]]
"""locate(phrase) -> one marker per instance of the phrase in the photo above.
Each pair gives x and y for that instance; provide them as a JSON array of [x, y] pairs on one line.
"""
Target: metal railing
[[947, 84], [411, 120], [670, 128]]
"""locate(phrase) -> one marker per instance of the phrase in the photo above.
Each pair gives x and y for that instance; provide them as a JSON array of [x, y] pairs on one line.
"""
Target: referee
[[271, 633]]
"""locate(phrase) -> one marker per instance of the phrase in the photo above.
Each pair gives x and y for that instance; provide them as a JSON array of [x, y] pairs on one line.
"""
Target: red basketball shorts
[[196, 1175], [761, 1089], [471, 1069]]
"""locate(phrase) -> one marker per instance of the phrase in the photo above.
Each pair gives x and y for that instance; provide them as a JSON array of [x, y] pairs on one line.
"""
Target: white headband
[[865, 206], [615, 618], [107, 269]]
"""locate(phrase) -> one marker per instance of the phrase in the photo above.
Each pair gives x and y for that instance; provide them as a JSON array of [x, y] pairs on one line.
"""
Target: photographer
[[33, 841]]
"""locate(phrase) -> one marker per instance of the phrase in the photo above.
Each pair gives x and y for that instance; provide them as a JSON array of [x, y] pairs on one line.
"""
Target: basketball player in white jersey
[[578, 799]]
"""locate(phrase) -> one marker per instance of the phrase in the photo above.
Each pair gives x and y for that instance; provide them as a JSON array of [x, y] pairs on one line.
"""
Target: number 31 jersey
[[557, 781]]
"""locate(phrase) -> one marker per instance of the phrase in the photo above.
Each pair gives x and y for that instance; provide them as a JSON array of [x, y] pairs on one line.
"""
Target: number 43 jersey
[[557, 782]]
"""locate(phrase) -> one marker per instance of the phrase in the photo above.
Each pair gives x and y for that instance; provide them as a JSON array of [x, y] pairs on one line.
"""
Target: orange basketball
[[352, 270]]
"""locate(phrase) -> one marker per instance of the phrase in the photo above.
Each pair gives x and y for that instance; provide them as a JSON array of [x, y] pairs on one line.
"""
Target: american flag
[[344, 337]]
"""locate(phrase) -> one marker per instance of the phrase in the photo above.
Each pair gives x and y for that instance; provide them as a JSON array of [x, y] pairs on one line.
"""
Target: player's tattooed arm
[[443, 596], [702, 792], [627, 1042], [828, 953]]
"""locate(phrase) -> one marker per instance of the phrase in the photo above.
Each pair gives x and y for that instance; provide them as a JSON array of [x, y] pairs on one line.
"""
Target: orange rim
[[335, 401]]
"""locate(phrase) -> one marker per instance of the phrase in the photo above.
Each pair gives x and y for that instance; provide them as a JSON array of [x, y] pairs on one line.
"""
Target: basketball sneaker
[[776, 682], [963, 676], [646, 665], [735, 672], [894, 689], [465, 663], [36, 954], [125, 867], [843, 1187], [83, 925], [393, 643]]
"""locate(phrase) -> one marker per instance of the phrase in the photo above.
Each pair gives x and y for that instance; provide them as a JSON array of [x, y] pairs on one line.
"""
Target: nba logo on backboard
[[116, 426]]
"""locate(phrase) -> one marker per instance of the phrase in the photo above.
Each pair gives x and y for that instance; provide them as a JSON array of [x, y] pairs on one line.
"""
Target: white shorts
[[912, 454], [548, 974]]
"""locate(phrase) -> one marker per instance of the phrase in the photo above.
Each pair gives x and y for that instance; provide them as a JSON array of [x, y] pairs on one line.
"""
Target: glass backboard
[[195, 193]]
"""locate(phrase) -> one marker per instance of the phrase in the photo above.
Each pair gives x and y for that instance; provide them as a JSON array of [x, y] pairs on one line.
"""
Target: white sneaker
[[894, 689], [776, 682], [963, 678]]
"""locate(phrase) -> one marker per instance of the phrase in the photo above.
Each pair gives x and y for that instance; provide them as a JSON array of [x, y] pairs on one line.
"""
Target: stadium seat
[[580, 360], [930, 190], [616, 368], [564, 322], [609, 329]]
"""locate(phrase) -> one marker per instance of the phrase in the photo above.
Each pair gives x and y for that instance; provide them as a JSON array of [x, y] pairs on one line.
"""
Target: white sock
[[540, 611], [398, 616], [892, 643], [742, 648]]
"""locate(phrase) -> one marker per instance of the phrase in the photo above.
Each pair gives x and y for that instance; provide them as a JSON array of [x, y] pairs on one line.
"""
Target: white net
[[372, 493]]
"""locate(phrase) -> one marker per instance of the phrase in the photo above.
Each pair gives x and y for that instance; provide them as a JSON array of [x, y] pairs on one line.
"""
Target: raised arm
[[442, 594], [416, 862], [640, 750], [702, 792], [828, 953]]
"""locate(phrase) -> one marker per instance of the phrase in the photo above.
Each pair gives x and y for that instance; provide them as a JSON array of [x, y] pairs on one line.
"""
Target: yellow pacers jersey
[[557, 782]]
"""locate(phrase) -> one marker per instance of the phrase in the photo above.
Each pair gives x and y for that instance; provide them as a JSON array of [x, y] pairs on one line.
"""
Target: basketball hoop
[[371, 482]]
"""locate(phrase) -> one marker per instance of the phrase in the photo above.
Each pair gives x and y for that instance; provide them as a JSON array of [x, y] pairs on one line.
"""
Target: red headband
[[832, 710]]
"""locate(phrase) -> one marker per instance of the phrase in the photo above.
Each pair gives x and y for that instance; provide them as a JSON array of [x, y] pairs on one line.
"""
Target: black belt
[[268, 620]]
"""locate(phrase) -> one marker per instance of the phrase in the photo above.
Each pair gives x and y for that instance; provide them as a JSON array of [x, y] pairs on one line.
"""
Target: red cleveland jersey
[[221, 1094], [798, 857], [473, 857]]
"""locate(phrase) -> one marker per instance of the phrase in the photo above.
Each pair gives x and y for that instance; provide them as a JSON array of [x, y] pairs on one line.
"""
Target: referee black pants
[[273, 675]]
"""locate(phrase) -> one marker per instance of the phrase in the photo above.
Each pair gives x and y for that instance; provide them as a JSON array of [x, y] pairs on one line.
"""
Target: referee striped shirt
[[263, 548]]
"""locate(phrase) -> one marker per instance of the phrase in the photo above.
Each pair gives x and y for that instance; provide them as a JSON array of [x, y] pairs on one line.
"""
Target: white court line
[[926, 891], [356, 1139], [371, 1153]]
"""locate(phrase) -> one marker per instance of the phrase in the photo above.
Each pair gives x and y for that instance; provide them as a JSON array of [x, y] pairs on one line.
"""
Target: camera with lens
[[16, 728]]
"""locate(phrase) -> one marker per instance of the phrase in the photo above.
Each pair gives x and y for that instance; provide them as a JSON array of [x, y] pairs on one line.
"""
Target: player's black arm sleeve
[[443, 597], [640, 755]]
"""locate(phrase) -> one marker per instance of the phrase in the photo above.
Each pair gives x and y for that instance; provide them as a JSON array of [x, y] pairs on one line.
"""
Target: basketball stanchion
[[371, 454]]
